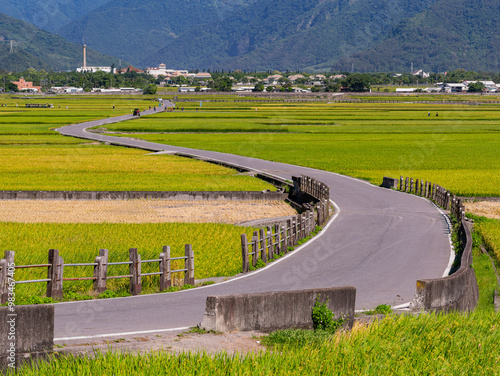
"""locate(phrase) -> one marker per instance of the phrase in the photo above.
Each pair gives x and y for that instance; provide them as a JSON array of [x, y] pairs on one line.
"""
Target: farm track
[[381, 241]]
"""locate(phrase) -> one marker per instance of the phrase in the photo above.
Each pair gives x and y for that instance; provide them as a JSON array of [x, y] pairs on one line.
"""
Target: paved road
[[381, 242]]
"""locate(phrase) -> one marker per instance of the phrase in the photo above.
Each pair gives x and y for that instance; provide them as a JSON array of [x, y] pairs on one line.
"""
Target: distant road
[[381, 241]]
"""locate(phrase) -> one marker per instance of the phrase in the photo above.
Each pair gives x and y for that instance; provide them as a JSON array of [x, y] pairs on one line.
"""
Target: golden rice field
[[140, 211]]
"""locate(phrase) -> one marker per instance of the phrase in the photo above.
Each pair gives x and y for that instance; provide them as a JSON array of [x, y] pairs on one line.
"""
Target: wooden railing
[[275, 240], [441, 196], [55, 268]]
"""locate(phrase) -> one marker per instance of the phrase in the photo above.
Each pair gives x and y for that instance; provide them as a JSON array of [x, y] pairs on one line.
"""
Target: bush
[[322, 318]]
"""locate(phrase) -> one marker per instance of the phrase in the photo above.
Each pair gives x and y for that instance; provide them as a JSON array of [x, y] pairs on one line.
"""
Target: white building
[[95, 69], [162, 70]]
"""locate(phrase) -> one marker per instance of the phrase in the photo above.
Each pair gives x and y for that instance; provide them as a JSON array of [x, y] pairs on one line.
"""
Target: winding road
[[379, 241]]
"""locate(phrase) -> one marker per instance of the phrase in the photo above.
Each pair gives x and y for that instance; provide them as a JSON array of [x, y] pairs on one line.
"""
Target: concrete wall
[[128, 195], [390, 183], [34, 333], [458, 291], [275, 310]]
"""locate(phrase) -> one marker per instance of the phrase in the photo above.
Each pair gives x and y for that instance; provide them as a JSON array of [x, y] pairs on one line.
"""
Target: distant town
[[104, 79]]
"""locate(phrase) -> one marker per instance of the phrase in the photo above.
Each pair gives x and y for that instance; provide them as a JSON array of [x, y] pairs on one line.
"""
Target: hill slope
[[289, 34], [39, 49], [438, 39], [49, 15], [133, 29]]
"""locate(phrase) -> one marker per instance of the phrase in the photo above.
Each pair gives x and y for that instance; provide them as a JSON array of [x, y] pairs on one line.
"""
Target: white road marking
[[121, 334]]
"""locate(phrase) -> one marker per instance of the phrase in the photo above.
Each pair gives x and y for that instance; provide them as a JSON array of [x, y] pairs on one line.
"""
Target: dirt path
[[140, 211]]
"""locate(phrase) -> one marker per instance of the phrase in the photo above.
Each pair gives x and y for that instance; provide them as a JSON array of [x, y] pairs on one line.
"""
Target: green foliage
[[357, 82], [297, 338], [382, 309], [259, 87], [38, 49], [222, 84], [150, 89], [322, 318], [476, 87]]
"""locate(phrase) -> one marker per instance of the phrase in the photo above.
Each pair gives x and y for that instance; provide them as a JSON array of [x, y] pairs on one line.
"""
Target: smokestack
[[85, 56]]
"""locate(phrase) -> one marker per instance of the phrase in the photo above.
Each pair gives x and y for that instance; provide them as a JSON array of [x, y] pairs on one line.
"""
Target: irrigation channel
[[379, 241]]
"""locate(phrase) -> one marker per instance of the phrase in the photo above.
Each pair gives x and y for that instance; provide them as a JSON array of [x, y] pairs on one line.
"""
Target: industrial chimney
[[84, 56]]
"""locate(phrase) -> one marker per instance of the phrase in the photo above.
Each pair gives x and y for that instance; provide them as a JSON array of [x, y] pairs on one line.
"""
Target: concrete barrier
[[136, 195], [275, 310], [389, 183], [458, 291], [26, 334]]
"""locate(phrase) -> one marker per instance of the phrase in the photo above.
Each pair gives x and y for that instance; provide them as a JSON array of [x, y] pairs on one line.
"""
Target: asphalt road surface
[[380, 241]]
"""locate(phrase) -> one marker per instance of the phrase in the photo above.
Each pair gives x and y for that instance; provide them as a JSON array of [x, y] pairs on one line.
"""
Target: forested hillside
[[35, 48]]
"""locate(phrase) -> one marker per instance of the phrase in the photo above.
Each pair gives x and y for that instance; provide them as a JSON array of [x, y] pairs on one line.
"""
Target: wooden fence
[[441, 196], [55, 267], [276, 239]]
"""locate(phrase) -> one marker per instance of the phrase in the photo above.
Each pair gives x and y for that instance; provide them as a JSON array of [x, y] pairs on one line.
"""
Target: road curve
[[380, 242]]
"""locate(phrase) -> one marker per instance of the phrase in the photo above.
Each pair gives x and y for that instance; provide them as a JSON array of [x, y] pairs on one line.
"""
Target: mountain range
[[315, 35], [39, 49]]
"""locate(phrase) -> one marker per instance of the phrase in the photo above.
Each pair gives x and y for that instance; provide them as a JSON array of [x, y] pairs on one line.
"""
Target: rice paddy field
[[458, 149], [454, 344], [217, 251]]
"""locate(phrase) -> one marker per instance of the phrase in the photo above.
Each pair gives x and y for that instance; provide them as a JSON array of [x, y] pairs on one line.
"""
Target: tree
[[476, 87], [259, 86], [223, 84], [357, 82], [269, 88], [150, 89]]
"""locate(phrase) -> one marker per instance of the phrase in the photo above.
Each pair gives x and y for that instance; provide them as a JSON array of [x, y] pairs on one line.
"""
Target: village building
[[129, 69], [23, 85]]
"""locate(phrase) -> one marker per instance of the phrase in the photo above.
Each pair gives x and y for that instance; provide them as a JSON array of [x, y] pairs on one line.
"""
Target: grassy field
[[17, 119], [61, 163], [489, 229], [217, 250], [457, 149], [454, 344]]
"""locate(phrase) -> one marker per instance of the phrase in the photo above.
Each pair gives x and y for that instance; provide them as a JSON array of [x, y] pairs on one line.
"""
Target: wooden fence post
[[244, 253], [255, 248], [271, 242], [406, 184], [263, 247], [3, 281], [101, 271], [189, 265], [166, 275], [401, 179], [289, 234], [417, 185], [135, 271], [55, 274], [283, 235]]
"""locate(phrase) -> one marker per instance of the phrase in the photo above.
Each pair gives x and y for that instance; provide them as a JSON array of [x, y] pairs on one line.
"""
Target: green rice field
[[454, 344], [458, 149], [217, 250], [61, 163]]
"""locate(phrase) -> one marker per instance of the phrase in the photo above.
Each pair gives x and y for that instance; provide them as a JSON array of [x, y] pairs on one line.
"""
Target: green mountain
[[369, 35], [133, 29], [289, 34], [35, 48], [451, 34], [49, 15]]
